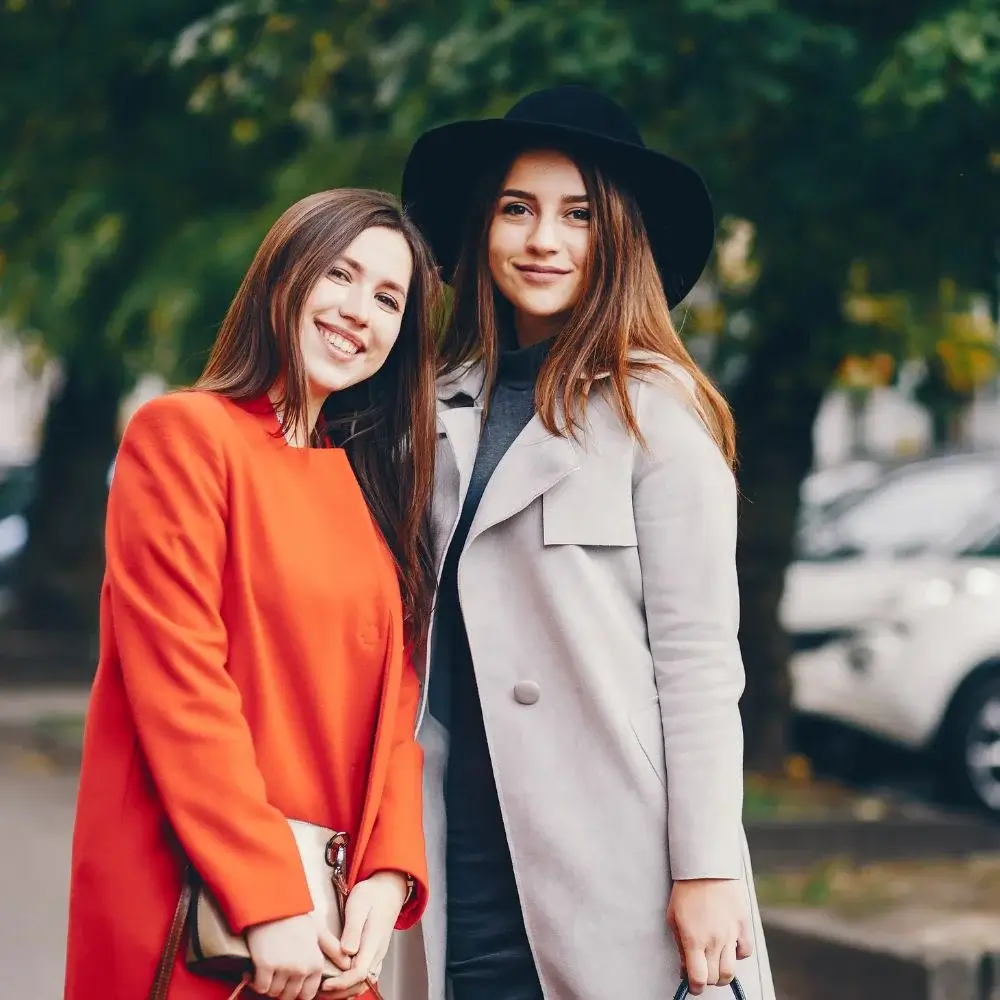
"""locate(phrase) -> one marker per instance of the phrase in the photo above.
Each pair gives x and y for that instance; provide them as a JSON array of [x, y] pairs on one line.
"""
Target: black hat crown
[[576, 107]]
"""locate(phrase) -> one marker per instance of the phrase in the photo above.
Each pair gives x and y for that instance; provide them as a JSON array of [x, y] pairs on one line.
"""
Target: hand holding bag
[[684, 991], [213, 950]]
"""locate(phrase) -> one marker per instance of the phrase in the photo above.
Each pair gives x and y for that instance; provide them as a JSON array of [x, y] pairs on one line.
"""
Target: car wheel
[[972, 744]]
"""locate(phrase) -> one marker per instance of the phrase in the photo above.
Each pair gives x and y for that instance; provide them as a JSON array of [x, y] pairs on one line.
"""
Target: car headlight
[[981, 582], [936, 593], [940, 591]]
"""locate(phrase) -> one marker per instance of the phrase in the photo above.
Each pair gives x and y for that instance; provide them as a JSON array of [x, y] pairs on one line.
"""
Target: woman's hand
[[373, 908], [288, 957], [709, 919]]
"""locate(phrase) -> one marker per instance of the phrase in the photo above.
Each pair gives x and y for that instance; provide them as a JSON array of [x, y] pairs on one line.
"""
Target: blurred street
[[36, 823]]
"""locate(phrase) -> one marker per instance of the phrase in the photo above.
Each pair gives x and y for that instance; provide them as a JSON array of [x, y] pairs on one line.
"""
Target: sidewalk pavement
[[37, 804], [22, 707]]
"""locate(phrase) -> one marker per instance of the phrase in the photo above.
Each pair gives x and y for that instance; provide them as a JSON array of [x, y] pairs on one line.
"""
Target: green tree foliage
[[102, 164], [147, 148]]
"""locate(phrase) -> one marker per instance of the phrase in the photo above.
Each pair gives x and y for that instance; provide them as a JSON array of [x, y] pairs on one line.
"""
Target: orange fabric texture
[[251, 669]]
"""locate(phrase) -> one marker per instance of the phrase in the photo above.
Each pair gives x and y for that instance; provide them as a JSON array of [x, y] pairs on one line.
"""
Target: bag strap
[[684, 991], [165, 970]]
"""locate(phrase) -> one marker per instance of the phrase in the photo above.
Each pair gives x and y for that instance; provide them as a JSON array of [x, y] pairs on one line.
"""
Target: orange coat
[[251, 669]]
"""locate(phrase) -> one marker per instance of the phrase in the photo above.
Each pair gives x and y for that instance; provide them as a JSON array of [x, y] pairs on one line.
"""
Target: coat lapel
[[534, 463], [461, 426], [460, 418]]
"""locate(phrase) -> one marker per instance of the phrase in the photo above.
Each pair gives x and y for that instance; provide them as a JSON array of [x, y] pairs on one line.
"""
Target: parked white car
[[916, 660], [856, 555], [824, 487]]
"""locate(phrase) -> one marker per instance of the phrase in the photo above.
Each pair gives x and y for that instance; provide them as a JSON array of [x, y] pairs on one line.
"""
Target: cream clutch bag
[[214, 950]]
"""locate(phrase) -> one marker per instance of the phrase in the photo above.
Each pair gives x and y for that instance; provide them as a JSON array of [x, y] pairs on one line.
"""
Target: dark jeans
[[488, 953]]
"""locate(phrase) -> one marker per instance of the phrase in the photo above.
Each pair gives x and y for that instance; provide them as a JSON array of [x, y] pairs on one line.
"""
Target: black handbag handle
[[683, 991]]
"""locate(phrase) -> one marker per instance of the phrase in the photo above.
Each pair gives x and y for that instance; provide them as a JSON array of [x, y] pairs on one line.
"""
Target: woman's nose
[[544, 237], [356, 305]]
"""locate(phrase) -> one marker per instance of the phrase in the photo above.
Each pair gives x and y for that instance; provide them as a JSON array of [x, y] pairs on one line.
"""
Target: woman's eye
[[515, 208], [580, 215], [388, 301], [339, 274]]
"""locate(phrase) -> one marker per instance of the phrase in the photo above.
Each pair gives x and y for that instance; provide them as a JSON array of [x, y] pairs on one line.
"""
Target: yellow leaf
[[857, 277], [860, 309], [278, 24], [709, 318], [887, 311], [108, 230], [734, 255], [857, 372], [967, 364], [798, 768], [245, 131], [948, 292], [203, 94], [221, 40]]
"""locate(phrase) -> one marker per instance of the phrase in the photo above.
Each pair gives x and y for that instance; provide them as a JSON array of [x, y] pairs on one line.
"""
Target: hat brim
[[445, 166]]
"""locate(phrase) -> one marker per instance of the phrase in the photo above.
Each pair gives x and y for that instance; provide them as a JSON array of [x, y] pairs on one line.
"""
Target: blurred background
[[850, 314]]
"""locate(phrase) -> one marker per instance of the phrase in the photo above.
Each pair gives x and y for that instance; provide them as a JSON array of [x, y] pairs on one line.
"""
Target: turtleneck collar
[[518, 367]]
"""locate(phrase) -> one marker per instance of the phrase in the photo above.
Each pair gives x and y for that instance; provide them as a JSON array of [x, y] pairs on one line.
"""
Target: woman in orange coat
[[266, 556]]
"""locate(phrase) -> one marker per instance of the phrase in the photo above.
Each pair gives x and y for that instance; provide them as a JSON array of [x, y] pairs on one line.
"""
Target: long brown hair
[[386, 424], [622, 308]]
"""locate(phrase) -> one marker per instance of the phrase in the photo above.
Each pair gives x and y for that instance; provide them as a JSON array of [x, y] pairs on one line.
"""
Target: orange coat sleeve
[[397, 840], [166, 548]]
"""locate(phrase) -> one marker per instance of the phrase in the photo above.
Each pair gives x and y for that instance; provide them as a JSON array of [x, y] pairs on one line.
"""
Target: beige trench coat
[[598, 586]]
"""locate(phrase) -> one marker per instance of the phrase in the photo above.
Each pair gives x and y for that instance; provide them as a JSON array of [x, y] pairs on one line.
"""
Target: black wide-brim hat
[[446, 164]]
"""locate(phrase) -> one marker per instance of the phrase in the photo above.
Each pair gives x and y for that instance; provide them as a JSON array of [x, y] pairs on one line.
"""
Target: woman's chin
[[337, 378], [543, 306]]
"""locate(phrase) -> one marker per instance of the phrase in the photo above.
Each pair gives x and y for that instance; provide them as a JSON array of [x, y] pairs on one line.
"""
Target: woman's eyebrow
[[354, 265], [528, 196]]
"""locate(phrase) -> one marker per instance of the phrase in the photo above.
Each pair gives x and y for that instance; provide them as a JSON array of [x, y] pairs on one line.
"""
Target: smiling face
[[351, 318], [539, 241]]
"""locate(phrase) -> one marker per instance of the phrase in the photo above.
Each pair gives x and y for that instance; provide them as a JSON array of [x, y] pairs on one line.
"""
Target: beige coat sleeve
[[684, 499]]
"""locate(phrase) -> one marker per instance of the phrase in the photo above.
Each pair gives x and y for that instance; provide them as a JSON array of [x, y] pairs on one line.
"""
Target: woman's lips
[[341, 340], [538, 275]]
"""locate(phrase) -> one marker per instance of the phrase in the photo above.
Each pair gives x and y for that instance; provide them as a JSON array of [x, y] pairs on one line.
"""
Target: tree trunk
[[58, 578], [944, 404], [940, 427], [775, 406], [857, 402]]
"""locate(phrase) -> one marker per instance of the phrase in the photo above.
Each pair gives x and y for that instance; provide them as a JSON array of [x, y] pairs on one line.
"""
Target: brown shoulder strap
[[165, 970]]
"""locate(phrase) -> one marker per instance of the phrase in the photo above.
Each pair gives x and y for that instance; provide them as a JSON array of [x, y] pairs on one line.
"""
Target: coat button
[[527, 692]]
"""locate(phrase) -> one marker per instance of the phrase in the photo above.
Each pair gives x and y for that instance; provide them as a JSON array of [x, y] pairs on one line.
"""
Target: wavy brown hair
[[622, 308], [386, 424]]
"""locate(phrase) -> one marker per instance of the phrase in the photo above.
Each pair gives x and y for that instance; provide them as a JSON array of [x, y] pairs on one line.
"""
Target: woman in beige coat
[[583, 748]]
